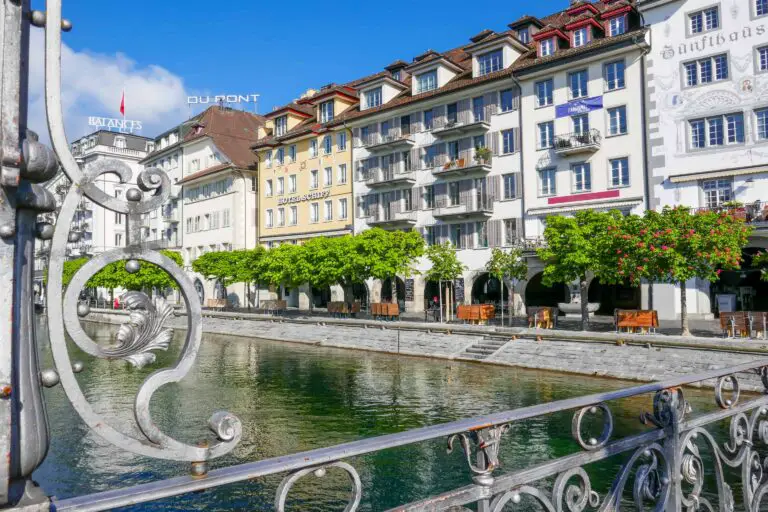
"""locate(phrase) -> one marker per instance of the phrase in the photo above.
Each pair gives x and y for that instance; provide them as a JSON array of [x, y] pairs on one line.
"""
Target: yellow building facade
[[305, 169]]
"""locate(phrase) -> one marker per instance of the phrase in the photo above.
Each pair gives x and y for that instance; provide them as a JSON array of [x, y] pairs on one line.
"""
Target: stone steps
[[484, 348]]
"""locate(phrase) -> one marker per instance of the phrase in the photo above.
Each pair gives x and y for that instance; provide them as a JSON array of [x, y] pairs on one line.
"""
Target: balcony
[[578, 142], [390, 176], [754, 214], [464, 122], [171, 217], [477, 206], [388, 218], [159, 244], [468, 162], [393, 139]]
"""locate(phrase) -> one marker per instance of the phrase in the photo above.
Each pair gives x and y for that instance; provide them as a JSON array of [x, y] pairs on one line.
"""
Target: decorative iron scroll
[[144, 332]]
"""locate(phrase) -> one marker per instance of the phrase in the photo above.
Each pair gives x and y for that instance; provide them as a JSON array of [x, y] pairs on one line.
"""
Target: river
[[292, 398]]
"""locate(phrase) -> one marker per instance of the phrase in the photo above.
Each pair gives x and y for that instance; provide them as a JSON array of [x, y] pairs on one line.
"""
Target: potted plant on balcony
[[482, 155]]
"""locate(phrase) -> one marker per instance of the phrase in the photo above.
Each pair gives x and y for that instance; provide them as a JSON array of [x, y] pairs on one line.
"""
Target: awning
[[602, 205], [725, 173], [303, 236]]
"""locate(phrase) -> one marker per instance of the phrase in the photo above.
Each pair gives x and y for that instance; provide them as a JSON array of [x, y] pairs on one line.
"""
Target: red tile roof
[[232, 131], [204, 173]]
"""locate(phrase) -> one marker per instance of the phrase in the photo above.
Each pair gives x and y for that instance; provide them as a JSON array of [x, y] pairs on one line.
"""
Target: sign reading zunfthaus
[[304, 197]]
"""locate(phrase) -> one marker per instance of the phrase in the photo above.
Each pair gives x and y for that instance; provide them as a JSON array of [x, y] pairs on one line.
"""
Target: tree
[[574, 248], [389, 254], [149, 276], [507, 265], [285, 265], [250, 269], [219, 266], [761, 260], [445, 266]]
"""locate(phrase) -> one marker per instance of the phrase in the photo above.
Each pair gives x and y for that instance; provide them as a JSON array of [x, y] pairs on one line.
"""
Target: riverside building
[[305, 176], [707, 98]]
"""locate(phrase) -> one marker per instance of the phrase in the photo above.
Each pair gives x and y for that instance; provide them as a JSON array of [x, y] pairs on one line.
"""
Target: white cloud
[[92, 85]]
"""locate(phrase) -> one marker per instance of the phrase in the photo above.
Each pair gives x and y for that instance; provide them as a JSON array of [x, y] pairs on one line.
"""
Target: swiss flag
[[122, 104]]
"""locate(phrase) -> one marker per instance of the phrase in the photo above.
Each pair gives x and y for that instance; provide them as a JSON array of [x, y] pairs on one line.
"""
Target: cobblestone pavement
[[640, 358]]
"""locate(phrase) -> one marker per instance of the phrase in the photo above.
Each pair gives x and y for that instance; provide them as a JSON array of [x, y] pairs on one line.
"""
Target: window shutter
[[494, 233], [417, 159], [396, 123], [464, 105], [469, 235], [356, 137], [465, 144], [440, 191], [444, 233], [416, 193], [397, 202], [491, 102], [517, 138], [465, 192], [438, 115], [417, 122], [494, 143], [518, 185]]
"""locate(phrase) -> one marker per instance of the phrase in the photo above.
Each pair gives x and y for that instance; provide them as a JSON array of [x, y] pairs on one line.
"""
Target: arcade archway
[[386, 291], [321, 297], [744, 287], [612, 297], [487, 290], [538, 295]]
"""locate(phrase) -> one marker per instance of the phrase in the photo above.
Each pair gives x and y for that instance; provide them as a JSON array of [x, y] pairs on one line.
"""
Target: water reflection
[[293, 398]]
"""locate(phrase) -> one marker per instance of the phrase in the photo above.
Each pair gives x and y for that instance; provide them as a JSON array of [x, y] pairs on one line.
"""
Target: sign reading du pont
[[222, 98], [581, 106]]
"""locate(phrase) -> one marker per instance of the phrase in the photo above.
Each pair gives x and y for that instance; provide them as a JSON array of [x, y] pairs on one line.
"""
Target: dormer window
[[281, 125], [546, 47], [396, 74], [617, 25], [580, 37], [120, 142], [326, 111], [426, 82], [373, 98], [524, 35], [490, 62], [150, 147]]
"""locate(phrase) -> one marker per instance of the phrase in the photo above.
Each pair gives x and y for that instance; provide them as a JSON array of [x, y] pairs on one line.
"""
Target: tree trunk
[[349, 294], [684, 309], [393, 289], [258, 294], [650, 295], [512, 304], [248, 294], [440, 295], [584, 293], [502, 301]]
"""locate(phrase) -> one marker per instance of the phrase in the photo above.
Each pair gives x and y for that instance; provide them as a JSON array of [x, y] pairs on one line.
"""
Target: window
[[580, 36], [328, 176], [762, 124], [429, 196], [619, 172], [292, 184], [327, 145], [577, 82], [120, 142], [489, 62], [328, 209], [617, 120], [314, 212], [580, 124], [524, 35], [372, 98], [510, 186], [118, 239], [280, 156], [614, 75], [341, 141], [341, 178], [507, 98], [268, 188], [478, 108], [546, 47], [426, 82], [343, 208], [281, 216], [482, 234], [508, 141], [717, 131], [617, 25], [456, 238], [395, 74], [547, 185], [281, 125], [314, 179], [405, 125], [268, 159], [292, 153], [703, 21], [717, 192], [428, 117], [582, 177], [293, 216], [761, 7], [546, 134], [313, 148], [544, 90], [225, 218], [280, 186], [452, 112], [269, 220], [326, 111], [511, 233], [762, 58], [706, 70]]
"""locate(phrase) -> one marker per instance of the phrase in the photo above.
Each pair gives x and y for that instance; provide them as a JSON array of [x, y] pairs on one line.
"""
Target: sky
[[162, 51]]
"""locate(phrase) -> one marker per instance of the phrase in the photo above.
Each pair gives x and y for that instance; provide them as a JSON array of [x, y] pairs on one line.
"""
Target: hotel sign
[[222, 98], [306, 197], [109, 123], [576, 107]]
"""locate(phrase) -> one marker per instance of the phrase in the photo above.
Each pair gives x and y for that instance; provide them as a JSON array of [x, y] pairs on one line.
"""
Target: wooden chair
[[733, 323]]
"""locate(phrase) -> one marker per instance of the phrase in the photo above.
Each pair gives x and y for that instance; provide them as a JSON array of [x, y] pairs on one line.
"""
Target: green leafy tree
[[445, 267], [761, 260], [149, 276], [507, 265], [389, 254], [574, 248], [221, 266], [285, 265], [250, 269]]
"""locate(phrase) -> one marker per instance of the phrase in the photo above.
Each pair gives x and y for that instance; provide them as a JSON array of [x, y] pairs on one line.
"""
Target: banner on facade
[[581, 106]]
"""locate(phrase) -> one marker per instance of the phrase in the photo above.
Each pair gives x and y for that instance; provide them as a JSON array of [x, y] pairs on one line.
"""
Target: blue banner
[[580, 106]]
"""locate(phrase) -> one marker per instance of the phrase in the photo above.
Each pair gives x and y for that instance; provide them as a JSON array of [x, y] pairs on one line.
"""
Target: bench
[[542, 317], [343, 309], [758, 323], [274, 307], [385, 311], [219, 304], [744, 324], [636, 320], [476, 313]]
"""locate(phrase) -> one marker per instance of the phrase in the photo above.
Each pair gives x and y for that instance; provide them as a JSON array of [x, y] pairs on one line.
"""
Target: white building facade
[[708, 129]]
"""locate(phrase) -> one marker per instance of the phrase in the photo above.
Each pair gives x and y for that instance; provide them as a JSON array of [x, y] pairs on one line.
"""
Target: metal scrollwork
[[651, 481], [593, 443], [320, 471], [669, 406], [487, 442], [566, 496], [727, 403]]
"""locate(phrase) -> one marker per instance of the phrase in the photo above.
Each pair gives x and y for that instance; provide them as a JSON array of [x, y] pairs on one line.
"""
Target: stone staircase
[[484, 348]]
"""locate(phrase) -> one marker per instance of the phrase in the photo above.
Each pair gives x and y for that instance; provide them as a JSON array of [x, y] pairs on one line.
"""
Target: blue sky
[[275, 49]]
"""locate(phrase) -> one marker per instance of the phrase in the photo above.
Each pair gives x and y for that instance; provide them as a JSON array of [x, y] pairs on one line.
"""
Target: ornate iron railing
[[664, 466]]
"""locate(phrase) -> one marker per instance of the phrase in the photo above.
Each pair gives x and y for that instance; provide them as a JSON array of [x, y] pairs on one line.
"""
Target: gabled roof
[[294, 107], [232, 131]]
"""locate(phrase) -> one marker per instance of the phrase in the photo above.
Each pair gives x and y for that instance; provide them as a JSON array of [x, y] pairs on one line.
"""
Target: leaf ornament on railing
[[143, 333]]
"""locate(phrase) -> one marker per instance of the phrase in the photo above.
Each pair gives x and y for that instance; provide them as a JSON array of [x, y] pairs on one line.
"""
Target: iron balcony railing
[[463, 120], [390, 175], [391, 216], [755, 213], [384, 140], [476, 205], [578, 141], [463, 162]]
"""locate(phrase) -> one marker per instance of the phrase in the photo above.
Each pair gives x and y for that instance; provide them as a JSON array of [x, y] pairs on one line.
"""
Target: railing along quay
[[664, 466]]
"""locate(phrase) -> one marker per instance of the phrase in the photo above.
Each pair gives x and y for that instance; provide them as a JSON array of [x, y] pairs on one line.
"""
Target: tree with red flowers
[[673, 246]]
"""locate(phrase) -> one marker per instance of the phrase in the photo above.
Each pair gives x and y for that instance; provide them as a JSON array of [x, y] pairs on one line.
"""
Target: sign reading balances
[[109, 123], [222, 98], [306, 197], [580, 106]]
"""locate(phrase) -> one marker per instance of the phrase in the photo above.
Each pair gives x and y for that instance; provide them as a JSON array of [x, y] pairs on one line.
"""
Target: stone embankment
[[623, 356]]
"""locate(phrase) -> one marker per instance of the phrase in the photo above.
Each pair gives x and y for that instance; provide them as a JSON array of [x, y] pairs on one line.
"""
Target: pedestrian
[[116, 304]]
